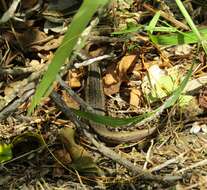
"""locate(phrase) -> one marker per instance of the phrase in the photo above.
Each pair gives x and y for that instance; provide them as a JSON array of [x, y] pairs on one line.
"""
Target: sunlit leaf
[[5, 152]]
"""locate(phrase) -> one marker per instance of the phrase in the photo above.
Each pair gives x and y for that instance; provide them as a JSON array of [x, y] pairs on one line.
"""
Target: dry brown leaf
[[30, 36], [69, 100], [50, 45], [64, 157], [36, 65], [125, 64], [25, 4], [135, 95], [11, 88], [203, 98], [115, 75], [74, 78], [111, 81], [112, 89]]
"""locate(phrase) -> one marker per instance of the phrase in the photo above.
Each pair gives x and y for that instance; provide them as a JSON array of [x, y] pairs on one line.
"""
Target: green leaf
[[78, 24], [5, 152], [179, 38], [176, 94]]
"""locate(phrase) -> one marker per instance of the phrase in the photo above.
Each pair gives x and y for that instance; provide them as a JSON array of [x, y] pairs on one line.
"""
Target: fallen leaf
[[74, 78], [116, 74], [64, 157], [29, 37], [110, 79], [69, 100], [203, 98], [35, 64], [125, 64], [183, 49], [82, 160], [135, 96], [112, 89]]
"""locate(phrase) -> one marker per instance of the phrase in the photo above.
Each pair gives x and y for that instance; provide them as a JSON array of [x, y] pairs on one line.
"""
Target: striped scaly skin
[[95, 98]]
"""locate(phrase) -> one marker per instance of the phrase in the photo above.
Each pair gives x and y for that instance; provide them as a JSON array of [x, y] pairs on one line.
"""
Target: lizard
[[94, 96]]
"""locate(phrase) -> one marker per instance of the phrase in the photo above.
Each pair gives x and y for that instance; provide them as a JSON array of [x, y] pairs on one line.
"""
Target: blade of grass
[[153, 22], [191, 24], [179, 38], [79, 22], [110, 121]]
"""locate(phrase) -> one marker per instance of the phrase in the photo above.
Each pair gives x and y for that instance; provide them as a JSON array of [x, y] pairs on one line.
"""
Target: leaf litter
[[178, 148]]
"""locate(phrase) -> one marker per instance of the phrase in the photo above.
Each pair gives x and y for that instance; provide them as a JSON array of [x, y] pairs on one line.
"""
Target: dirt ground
[[55, 148]]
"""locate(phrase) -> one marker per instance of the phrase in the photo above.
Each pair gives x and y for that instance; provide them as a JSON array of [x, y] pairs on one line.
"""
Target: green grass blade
[[191, 24], [5, 152], [153, 22], [110, 121], [78, 24], [179, 38]]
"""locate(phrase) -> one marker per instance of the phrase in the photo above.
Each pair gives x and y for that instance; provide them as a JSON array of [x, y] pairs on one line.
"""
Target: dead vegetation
[[55, 149]]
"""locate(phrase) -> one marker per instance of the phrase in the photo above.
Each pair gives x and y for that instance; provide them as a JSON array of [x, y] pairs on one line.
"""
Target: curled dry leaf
[[203, 98], [135, 95], [116, 74], [74, 78], [28, 37], [64, 157], [25, 4], [183, 49], [69, 100], [82, 160], [112, 89], [36, 65], [111, 81], [125, 64]]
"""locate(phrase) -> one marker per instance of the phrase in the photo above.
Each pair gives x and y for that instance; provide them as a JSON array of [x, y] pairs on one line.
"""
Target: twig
[[91, 61], [168, 162], [10, 12], [198, 164], [148, 154], [75, 97], [167, 17], [9, 109], [17, 71]]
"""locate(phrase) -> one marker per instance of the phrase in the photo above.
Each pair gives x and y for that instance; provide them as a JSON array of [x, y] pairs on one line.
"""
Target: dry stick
[[17, 71], [168, 162], [24, 90], [136, 170], [91, 61], [14, 105], [198, 164], [167, 17]]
